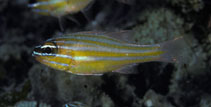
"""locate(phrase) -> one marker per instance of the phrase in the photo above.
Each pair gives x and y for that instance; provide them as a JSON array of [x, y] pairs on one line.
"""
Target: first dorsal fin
[[123, 35]]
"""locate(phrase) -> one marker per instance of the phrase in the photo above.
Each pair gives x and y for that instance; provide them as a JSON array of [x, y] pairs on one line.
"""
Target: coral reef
[[188, 5], [31, 104], [62, 87], [156, 24]]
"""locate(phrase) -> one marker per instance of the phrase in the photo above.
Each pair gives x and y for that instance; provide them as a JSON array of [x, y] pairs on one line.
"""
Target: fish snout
[[36, 51]]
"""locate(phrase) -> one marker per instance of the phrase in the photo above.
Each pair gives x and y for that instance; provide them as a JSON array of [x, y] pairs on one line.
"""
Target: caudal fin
[[173, 50]]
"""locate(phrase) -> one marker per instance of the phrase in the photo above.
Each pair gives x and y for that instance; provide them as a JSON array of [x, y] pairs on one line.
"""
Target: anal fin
[[127, 69]]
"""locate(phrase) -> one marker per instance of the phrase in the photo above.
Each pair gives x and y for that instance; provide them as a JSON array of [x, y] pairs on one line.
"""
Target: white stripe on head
[[52, 54], [48, 46]]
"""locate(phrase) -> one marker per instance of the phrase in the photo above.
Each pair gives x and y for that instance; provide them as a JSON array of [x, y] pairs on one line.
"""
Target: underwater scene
[[105, 53]]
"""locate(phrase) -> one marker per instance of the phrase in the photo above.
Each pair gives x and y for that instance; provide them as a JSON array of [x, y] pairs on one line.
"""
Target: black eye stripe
[[47, 48]]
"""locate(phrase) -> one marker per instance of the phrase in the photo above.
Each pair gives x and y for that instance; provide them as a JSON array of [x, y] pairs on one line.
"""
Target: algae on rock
[[158, 26]]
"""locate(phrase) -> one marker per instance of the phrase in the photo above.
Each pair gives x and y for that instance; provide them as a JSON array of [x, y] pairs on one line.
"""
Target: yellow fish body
[[87, 54], [58, 7]]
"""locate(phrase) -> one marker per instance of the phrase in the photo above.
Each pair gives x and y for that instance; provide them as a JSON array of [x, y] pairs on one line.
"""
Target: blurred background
[[25, 82]]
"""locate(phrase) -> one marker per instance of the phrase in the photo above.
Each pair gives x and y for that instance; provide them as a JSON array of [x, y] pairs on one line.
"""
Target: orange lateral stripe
[[112, 54]]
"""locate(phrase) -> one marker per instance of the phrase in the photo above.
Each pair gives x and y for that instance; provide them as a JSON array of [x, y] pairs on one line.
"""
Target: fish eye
[[49, 49]]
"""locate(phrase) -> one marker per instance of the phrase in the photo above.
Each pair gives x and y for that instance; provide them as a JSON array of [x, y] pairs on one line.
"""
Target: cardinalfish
[[95, 53], [58, 8]]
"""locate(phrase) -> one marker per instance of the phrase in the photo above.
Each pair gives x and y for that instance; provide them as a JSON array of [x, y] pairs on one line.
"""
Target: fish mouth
[[36, 51], [34, 54]]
